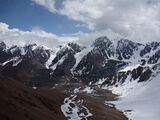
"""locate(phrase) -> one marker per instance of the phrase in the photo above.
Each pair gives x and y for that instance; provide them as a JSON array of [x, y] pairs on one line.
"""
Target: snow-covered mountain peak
[[75, 46], [122, 43], [126, 48], [30, 47], [102, 42]]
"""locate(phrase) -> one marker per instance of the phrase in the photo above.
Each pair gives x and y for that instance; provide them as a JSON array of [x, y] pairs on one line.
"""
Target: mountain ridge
[[105, 71], [102, 59]]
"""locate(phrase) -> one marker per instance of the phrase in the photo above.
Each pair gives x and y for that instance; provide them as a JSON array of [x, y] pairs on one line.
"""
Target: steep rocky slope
[[19, 102]]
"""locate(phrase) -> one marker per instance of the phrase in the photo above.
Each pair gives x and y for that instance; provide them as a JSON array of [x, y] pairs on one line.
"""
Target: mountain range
[[118, 66]]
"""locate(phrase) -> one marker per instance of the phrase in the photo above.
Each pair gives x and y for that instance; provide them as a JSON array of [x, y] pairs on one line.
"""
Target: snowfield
[[142, 101]]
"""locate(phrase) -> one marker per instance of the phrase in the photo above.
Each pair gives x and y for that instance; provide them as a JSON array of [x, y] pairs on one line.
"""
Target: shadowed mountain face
[[39, 66]]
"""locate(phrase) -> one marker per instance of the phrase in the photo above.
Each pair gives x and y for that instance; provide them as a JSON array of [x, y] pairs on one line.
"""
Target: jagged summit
[[2, 45], [125, 48], [123, 43], [101, 41], [75, 46], [150, 47]]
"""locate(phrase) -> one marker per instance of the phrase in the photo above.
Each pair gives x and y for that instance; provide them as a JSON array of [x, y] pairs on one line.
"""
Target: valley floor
[[83, 105]]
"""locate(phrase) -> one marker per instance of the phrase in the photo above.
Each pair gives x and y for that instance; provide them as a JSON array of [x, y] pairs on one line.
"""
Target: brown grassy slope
[[19, 102]]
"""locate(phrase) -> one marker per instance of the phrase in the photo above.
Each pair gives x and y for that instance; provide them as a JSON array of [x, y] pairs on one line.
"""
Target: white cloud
[[38, 36], [140, 20], [48, 4], [4, 27], [83, 10]]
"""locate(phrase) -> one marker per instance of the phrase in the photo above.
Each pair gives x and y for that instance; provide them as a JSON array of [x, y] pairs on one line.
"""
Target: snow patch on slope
[[11, 60], [59, 62], [88, 90], [74, 110], [80, 55], [51, 58], [17, 62], [130, 67]]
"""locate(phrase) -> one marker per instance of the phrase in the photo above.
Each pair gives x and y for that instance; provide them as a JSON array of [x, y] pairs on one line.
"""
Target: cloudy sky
[[53, 22]]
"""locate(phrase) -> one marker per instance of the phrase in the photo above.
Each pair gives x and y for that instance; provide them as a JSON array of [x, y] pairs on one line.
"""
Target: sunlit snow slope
[[142, 102]]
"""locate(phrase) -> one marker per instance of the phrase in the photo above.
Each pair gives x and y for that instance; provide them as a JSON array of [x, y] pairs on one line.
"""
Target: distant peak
[[2, 45], [125, 41], [101, 41], [75, 46]]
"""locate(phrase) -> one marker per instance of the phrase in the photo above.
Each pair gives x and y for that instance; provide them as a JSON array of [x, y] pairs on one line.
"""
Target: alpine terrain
[[108, 80]]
